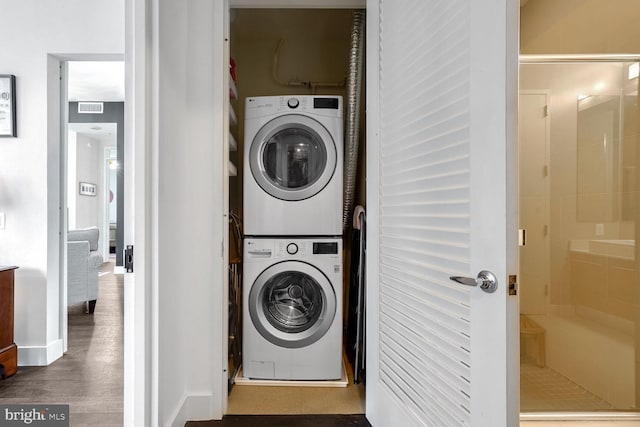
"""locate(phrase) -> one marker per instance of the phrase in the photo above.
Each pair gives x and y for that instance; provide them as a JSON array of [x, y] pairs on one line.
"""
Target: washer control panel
[[267, 248], [286, 248], [255, 248], [293, 102]]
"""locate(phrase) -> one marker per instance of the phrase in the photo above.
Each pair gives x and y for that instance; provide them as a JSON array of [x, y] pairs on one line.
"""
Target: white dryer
[[292, 309], [293, 155]]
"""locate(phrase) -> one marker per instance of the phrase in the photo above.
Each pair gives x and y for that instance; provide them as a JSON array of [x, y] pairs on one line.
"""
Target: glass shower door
[[580, 299]]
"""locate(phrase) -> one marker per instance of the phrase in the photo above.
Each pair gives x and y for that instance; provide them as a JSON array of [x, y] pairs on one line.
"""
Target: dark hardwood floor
[[89, 377]]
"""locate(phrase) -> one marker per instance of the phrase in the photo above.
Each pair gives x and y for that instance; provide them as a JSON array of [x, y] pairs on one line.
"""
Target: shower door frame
[[570, 415]]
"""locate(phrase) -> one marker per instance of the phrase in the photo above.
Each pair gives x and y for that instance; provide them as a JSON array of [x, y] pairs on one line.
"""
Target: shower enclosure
[[578, 188]]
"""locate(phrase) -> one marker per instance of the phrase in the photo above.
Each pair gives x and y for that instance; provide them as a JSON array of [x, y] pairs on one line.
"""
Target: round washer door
[[292, 157], [292, 304]]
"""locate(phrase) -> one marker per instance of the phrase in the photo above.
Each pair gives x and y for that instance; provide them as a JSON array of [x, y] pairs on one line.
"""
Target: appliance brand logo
[[267, 105], [36, 415]]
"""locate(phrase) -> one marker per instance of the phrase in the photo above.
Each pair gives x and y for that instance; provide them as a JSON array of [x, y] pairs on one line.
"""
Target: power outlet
[[599, 229], [2, 220]]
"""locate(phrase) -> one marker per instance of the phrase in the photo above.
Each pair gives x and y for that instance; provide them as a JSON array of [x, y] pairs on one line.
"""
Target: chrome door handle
[[486, 280]]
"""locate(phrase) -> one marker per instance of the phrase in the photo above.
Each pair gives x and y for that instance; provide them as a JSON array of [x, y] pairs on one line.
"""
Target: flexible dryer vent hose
[[354, 82]]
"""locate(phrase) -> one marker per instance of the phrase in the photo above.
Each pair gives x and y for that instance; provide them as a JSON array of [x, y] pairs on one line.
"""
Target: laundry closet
[[293, 64]]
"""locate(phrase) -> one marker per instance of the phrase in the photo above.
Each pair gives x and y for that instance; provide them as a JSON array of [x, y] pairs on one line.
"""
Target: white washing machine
[[292, 309], [293, 155]]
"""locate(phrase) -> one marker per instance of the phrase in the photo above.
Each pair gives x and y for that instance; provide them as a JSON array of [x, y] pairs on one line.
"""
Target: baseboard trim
[[40, 355], [192, 408]]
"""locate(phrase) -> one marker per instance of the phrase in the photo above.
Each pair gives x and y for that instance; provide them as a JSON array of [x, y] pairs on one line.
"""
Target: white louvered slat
[[445, 330], [424, 226], [439, 183], [419, 361], [430, 204]]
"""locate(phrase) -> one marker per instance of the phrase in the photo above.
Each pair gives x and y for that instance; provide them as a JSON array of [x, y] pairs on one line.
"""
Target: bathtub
[[599, 358]]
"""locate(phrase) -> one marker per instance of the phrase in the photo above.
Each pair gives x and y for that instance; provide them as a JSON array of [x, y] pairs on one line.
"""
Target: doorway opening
[[92, 114], [289, 53], [96, 113], [579, 306]]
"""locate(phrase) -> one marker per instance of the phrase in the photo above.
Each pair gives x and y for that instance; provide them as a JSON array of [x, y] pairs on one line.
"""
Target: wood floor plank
[[89, 377]]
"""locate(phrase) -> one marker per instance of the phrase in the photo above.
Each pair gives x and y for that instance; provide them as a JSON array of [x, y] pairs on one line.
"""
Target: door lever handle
[[486, 280]]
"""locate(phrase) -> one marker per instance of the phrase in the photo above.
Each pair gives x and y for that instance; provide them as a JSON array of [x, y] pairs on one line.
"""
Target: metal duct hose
[[354, 81]]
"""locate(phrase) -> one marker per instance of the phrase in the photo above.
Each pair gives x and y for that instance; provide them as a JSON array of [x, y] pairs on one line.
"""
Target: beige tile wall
[[580, 26], [604, 283]]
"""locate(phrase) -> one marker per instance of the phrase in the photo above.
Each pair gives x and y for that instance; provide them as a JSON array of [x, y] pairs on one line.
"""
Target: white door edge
[[140, 400], [372, 188]]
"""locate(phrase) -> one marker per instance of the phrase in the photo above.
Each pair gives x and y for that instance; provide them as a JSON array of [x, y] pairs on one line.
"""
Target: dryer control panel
[[326, 105]]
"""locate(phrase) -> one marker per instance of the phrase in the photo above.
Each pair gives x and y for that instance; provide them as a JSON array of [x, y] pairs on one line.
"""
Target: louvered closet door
[[441, 196]]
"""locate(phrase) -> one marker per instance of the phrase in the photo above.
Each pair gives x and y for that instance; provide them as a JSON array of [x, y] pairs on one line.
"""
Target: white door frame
[[106, 221], [140, 330], [58, 100], [220, 380]]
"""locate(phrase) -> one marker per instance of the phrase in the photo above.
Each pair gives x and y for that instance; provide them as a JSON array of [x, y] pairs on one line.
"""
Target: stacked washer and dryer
[[292, 197]]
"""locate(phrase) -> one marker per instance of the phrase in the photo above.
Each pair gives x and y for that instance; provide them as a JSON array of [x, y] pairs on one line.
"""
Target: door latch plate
[[513, 284], [128, 259]]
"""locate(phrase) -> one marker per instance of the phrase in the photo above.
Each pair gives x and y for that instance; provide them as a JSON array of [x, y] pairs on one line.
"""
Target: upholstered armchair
[[83, 262]]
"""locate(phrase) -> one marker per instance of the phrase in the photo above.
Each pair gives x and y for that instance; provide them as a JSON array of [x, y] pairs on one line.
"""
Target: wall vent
[[90, 107]]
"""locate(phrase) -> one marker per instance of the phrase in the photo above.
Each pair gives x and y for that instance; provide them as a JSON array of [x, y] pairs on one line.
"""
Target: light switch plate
[[2, 220]]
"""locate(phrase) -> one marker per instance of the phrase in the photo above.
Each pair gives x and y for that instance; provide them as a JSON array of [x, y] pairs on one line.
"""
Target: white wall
[[86, 162], [111, 182], [89, 169], [188, 144], [29, 164], [579, 26], [72, 181]]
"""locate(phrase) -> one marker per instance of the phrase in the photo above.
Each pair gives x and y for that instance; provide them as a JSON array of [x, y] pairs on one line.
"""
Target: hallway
[[89, 377]]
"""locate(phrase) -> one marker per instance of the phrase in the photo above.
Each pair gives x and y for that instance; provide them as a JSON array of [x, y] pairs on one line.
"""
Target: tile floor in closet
[[269, 400]]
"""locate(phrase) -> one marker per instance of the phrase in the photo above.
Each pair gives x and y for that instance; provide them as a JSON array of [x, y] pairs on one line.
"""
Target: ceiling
[[105, 132], [96, 81]]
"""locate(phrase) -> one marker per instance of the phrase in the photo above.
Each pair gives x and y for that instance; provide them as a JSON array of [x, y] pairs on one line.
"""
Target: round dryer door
[[293, 157], [292, 304]]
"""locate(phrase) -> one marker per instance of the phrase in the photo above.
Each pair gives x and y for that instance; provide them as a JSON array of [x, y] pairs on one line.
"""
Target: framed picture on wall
[[8, 123], [87, 189]]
